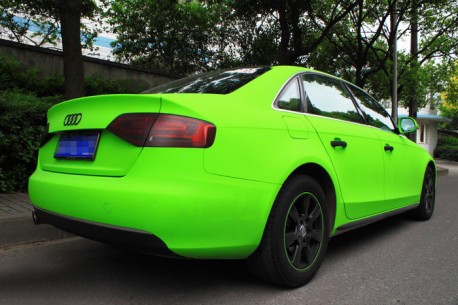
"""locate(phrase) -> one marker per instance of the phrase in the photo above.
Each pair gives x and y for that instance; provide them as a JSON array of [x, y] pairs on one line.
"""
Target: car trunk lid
[[83, 122]]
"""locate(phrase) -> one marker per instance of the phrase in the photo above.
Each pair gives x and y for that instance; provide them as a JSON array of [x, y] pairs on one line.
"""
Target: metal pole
[[394, 50]]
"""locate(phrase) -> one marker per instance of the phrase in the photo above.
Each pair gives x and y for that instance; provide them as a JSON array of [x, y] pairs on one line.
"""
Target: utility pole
[[413, 103], [394, 54]]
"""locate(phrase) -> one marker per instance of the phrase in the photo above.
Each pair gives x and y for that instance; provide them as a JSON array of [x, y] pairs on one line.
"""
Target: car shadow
[[370, 234], [82, 265], [190, 273]]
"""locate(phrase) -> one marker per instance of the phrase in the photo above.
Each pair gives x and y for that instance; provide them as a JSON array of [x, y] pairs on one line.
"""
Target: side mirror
[[407, 125]]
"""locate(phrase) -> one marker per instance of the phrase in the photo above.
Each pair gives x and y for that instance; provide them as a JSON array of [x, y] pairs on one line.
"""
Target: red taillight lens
[[177, 131], [163, 130], [133, 127]]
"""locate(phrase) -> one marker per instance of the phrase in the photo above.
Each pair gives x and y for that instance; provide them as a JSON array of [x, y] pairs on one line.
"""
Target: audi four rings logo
[[73, 119]]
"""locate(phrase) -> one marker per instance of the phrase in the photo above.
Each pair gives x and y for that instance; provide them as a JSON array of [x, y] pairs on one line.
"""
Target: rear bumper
[[196, 215], [132, 239]]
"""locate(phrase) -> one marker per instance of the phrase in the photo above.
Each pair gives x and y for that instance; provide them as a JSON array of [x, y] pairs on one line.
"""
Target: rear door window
[[328, 97]]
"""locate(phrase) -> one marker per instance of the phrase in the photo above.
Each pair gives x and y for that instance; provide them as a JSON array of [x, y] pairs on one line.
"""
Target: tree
[[51, 19], [19, 16], [450, 98], [171, 35], [301, 26], [223, 32], [361, 42]]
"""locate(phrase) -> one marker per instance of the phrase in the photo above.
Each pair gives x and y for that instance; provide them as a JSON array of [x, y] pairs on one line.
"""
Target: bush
[[13, 75], [96, 85], [22, 123], [447, 148], [25, 97]]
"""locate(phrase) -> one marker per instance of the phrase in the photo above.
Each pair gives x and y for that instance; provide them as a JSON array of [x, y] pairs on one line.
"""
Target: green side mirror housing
[[407, 125]]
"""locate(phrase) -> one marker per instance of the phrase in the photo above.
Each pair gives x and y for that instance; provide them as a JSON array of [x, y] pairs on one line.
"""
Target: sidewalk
[[16, 224]]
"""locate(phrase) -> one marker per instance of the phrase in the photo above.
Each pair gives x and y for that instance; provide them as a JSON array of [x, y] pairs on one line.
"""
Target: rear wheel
[[428, 196], [296, 235]]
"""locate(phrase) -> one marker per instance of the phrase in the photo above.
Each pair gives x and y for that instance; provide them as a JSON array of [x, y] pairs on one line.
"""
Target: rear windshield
[[218, 82]]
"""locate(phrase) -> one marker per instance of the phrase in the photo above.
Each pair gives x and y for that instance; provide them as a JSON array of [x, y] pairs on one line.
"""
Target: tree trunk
[[285, 35], [70, 14]]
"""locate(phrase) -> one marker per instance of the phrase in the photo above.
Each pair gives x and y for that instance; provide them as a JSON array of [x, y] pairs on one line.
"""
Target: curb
[[441, 171], [21, 229]]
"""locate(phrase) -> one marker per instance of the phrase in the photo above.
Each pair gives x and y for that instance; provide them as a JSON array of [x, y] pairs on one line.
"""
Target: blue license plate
[[78, 145]]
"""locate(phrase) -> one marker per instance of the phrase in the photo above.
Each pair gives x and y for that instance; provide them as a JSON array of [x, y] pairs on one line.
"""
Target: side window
[[290, 97], [329, 98], [375, 114]]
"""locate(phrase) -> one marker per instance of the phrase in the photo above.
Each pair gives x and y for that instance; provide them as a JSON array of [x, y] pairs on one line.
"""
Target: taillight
[[178, 131], [133, 127], [163, 130]]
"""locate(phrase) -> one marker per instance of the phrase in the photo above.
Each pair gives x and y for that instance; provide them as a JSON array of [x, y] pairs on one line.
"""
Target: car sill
[[364, 222]]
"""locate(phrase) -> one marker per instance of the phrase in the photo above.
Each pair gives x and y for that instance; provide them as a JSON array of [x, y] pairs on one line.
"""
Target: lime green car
[[264, 164]]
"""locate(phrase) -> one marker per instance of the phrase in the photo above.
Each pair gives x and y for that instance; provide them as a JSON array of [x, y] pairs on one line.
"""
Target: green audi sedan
[[263, 164]]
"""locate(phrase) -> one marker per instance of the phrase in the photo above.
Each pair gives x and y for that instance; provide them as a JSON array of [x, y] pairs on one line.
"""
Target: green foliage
[[43, 16], [96, 85], [22, 122], [450, 97], [447, 148], [13, 75], [170, 35], [25, 97], [449, 140]]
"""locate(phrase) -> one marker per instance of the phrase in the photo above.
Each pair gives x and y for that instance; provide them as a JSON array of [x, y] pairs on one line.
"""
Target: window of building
[[421, 136]]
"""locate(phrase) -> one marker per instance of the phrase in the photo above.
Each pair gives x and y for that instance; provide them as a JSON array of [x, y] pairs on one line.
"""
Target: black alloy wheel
[[303, 231], [296, 235]]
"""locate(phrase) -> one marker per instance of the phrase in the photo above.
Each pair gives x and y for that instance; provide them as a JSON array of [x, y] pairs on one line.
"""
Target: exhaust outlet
[[35, 218]]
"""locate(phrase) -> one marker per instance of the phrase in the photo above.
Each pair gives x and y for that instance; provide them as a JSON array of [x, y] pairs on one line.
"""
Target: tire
[[296, 235], [428, 196]]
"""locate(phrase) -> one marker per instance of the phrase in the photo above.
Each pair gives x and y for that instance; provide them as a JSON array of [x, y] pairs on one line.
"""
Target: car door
[[352, 146], [403, 176]]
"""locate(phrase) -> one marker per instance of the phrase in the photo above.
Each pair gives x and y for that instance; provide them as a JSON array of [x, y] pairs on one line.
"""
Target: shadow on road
[[83, 265]]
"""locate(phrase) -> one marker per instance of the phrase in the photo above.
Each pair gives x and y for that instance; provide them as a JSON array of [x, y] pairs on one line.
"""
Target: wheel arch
[[433, 166]]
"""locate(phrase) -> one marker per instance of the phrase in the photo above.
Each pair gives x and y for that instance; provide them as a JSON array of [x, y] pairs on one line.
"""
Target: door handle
[[340, 143], [388, 148]]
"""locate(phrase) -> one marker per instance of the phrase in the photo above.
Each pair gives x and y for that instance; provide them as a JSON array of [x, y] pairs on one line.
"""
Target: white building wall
[[431, 135]]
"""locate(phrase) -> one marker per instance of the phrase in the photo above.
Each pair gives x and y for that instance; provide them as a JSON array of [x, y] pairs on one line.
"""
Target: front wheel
[[428, 196], [296, 235]]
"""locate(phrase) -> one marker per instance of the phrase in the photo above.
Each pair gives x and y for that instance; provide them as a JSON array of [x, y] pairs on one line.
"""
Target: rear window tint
[[218, 82]]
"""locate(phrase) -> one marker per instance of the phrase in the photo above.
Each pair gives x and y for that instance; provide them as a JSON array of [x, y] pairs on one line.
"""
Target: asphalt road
[[395, 261]]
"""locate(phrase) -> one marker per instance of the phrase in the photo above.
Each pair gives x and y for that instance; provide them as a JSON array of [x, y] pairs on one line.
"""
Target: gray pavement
[[16, 224]]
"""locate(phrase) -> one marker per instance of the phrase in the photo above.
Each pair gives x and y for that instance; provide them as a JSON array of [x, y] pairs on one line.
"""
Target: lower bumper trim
[[131, 239]]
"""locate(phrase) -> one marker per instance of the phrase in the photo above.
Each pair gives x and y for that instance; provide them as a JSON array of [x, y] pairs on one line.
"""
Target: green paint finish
[[106, 162], [359, 166]]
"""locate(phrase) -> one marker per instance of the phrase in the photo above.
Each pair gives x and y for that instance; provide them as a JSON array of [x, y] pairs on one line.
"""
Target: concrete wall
[[51, 62]]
